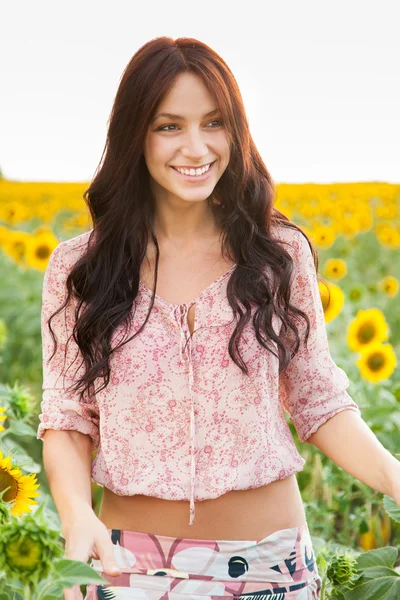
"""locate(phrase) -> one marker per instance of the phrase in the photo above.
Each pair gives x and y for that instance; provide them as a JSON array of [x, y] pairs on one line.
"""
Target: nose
[[195, 147]]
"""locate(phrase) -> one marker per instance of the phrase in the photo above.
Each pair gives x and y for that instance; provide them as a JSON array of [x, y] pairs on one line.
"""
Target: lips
[[193, 179], [211, 163]]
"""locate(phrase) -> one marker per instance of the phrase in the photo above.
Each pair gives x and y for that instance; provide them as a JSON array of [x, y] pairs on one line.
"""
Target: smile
[[191, 174]]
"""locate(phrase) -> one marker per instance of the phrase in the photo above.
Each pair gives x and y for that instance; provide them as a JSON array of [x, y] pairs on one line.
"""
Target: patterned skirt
[[281, 566]]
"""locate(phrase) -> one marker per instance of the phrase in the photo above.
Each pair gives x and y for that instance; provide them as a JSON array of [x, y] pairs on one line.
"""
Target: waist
[[280, 566], [248, 514]]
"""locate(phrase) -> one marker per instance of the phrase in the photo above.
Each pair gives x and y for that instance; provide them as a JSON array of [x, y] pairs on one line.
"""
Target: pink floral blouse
[[178, 419]]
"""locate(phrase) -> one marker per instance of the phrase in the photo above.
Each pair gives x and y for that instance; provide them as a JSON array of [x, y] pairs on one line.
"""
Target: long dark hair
[[106, 278]]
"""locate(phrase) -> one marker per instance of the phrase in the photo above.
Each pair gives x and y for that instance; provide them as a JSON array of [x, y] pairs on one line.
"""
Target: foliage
[[355, 532]]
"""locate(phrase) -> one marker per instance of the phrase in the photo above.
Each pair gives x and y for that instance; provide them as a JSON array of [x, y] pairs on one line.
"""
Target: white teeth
[[192, 172]]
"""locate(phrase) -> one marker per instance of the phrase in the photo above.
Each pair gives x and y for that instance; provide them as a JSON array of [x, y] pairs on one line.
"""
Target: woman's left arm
[[313, 390], [349, 442]]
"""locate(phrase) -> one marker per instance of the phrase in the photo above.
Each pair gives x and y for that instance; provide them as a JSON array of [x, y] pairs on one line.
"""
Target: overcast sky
[[320, 81]]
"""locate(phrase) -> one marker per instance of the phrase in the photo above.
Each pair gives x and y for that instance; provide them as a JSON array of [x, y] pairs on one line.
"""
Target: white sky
[[320, 81]]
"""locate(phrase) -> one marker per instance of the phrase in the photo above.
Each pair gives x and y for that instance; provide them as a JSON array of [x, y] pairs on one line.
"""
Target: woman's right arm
[[70, 485], [69, 428], [85, 535]]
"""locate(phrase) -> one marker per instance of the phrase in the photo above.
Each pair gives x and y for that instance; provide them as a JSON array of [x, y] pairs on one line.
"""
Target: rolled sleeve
[[312, 388], [60, 408]]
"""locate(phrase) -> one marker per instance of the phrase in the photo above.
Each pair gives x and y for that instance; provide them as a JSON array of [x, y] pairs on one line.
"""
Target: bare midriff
[[250, 514]]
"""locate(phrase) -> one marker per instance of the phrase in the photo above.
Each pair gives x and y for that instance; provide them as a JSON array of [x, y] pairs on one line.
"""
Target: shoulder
[[290, 235], [298, 245], [65, 255]]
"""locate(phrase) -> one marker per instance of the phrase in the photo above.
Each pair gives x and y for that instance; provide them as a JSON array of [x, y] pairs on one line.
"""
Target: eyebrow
[[180, 118]]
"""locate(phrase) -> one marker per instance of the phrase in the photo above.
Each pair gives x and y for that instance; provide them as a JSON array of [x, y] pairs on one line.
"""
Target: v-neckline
[[196, 299]]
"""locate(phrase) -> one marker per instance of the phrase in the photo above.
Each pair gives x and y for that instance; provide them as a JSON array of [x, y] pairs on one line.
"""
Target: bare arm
[[349, 442], [67, 463]]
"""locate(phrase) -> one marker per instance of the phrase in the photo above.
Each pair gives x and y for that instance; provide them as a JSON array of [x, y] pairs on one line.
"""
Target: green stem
[[27, 592], [322, 592]]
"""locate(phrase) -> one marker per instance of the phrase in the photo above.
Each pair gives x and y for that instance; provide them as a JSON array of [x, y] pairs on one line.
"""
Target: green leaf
[[21, 429], [72, 572], [385, 588], [391, 508], [381, 557], [54, 594], [15, 585], [47, 591], [375, 572]]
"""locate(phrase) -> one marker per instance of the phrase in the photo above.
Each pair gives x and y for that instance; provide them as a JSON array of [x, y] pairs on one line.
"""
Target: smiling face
[[193, 140]]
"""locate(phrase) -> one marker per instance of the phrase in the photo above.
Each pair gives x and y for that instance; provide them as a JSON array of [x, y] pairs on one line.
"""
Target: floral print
[[178, 419], [281, 566]]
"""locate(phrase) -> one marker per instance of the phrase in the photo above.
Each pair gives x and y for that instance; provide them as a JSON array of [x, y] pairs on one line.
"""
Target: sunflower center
[[24, 554], [7, 480], [42, 251], [376, 361], [366, 333]]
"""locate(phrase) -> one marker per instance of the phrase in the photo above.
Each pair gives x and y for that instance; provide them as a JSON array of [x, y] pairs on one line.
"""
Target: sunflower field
[[355, 530]]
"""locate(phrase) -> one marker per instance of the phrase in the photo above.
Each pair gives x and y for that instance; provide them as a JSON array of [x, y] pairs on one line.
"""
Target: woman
[[196, 459]]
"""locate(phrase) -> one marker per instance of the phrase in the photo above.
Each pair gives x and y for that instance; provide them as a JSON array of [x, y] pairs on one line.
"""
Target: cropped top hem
[[198, 496]]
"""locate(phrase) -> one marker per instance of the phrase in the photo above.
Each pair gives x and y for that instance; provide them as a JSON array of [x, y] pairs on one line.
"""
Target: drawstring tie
[[180, 313]]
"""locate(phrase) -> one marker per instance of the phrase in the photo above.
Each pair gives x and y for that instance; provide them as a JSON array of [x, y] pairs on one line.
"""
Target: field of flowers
[[355, 530]]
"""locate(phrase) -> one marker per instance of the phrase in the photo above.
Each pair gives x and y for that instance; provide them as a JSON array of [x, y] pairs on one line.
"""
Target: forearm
[[67, 463], [349, 442]]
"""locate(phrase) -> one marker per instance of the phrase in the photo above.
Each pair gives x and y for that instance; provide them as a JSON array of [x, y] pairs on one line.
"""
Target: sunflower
[[22, 488], [335, 268], [389, 285], [342, 569], [377, 362], [333, 301], [3, 417], [13, 212], [14, 245], [39, 247], [29, 548], [323, 236], [349, 228], [368, 327], [386, 211], [388, 236], [4, 233]]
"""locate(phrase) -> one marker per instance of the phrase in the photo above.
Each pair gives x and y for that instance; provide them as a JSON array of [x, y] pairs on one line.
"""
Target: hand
[[392, 479], [87, 537], [396, 491]]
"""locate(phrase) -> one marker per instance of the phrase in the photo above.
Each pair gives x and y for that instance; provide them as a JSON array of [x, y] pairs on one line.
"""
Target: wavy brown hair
[[106, 278]]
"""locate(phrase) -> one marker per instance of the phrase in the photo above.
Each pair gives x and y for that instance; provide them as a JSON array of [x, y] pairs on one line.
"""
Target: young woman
[[196, 459]]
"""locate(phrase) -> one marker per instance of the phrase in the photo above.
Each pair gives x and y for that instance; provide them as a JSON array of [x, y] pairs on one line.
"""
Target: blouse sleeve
[[312, 388], [60, 408]]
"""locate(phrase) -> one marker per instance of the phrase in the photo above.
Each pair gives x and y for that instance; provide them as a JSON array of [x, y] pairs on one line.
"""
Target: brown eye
[[163, 127]]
